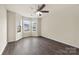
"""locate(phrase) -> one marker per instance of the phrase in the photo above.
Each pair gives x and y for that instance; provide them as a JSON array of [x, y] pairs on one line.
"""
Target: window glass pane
[[26, 25], [34, 26], [18, 25]]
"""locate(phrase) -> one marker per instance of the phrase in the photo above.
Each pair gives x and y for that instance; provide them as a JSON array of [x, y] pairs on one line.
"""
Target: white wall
[[62, 24], [11, 23], [3, 28]]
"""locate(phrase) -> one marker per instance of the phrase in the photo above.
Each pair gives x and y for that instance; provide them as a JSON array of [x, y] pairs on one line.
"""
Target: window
[[29, 24], [18, 25], [34, 25], [26, 25]]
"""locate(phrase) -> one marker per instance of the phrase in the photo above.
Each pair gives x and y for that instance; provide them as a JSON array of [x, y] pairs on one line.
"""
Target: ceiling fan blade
[[40, 8], [44, 11]]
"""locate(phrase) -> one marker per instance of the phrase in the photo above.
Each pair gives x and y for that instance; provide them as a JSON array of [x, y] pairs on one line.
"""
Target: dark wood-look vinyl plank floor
[[39, 46]]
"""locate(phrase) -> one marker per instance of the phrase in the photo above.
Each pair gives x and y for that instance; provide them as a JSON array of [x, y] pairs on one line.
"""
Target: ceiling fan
[[40, 10]]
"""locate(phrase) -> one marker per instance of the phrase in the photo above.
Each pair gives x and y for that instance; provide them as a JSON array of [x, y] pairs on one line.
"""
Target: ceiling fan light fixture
[[38, 13]]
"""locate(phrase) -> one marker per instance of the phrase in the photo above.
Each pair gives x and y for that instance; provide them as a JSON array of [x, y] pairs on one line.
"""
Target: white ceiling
[[27, 10], [23, 9]]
